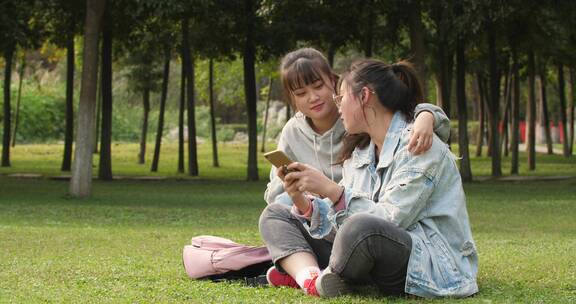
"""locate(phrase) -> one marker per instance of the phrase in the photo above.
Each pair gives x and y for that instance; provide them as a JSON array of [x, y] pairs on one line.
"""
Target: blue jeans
[[367, 250]]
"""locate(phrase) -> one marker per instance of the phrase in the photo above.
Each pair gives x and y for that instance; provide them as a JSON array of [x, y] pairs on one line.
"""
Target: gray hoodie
[[302, 144]]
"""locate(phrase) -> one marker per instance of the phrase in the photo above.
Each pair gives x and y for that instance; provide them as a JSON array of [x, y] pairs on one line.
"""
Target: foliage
[[20, 24], [41, 117], [219, 30]]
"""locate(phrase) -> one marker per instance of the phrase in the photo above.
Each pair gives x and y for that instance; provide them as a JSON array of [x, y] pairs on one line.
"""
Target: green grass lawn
[[46, 159], [125, 243]]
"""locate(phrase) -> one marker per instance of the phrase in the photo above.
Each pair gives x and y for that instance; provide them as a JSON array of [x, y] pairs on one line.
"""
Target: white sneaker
[[329, 284]]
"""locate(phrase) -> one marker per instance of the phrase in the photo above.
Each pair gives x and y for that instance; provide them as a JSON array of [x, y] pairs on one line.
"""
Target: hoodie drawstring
[[316, 154], [331, 155]]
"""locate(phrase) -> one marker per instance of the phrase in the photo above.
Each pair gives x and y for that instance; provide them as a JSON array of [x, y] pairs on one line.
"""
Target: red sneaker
[[310, 287], [276, 278]]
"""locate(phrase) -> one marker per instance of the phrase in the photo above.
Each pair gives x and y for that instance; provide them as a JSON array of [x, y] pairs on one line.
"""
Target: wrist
[[301, 202], [336, 193], [425, 114]]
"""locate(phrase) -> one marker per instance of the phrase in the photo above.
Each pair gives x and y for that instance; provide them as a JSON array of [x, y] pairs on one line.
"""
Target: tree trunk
[[69, 133], [250, 90], [494, 104], [417, 43], [144, 134], [544, 107], [18, 99], [105, 165], [481, 114], [515, 113], [571, 110], [369, 33], [266, 115], [8, 55], [531, 114], [164, 94], [562, 97], [445, 79], [189, 62], [98, 120], [181, 117], [81, 181], [506, 118], [465, 169], [506, 132], [212, 115], [486, 135], [507, 100]]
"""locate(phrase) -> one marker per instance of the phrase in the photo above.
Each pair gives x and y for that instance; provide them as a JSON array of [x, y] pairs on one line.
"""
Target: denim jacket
[[422, 194]]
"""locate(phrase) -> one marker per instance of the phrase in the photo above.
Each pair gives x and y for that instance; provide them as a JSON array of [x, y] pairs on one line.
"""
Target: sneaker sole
[[331, 285], [267, 275]]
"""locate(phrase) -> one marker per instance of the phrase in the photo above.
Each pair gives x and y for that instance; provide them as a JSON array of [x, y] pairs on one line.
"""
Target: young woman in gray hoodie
[[314, 136]]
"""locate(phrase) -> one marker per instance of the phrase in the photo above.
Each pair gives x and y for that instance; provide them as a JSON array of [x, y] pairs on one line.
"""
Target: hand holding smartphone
[[279, 160]]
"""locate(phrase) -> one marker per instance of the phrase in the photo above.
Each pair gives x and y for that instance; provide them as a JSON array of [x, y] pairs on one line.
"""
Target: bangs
[[302, 73]]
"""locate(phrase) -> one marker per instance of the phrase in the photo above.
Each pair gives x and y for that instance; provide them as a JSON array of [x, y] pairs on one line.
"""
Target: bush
[[41, 118]]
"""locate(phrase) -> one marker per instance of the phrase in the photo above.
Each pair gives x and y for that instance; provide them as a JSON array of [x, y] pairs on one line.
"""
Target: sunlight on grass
[[46, 159]]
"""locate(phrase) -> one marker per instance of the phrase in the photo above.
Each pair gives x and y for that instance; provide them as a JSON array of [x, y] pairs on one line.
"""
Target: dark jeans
[[366, 250]]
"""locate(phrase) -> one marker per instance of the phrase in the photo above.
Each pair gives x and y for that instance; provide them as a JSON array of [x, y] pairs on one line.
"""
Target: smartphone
[[278, 159]]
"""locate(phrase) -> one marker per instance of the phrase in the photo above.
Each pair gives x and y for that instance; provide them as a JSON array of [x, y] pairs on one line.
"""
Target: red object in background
[[522, 125], [522, 131], [560, 130]]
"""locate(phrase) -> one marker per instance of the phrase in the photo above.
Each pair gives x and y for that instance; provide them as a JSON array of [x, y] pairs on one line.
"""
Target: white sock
[[306, 274]]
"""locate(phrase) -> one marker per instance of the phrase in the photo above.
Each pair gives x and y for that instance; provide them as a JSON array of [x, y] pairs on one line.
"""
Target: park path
[[542, 149]]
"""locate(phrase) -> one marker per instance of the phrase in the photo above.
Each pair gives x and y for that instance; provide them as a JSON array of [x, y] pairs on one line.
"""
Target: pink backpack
[[216, 258]]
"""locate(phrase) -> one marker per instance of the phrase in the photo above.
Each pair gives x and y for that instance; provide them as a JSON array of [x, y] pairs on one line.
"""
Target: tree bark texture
[[81, 181], [163, 96], [105, 164], [144, 134], [562, 97], [181, 118], [494, 104], [69, 133], [515, 114], [8, 56], [531, 113], [465, 169], [249, 59], [212, 114], [545, 122], [189, 62]]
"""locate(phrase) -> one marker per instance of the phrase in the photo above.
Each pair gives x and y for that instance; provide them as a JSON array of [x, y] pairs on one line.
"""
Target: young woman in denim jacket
[[397, 220], [314, 135]]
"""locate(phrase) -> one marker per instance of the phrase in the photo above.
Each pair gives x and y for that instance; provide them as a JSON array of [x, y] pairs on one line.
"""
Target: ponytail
[[406, 72]]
